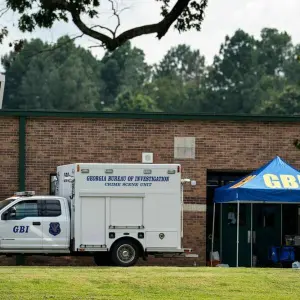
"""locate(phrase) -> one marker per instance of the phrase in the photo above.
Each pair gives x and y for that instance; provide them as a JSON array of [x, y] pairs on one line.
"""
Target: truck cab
[[34, 224]]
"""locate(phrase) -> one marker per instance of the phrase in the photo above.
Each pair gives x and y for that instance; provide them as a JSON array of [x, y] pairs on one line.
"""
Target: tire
[[103, 259], [125, 253]]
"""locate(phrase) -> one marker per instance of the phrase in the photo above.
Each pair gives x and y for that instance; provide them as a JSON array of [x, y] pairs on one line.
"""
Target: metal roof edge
[[150, 116]]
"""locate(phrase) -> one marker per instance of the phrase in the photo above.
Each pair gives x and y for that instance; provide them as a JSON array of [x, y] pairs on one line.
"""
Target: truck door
[[56, 225], [21, 226]]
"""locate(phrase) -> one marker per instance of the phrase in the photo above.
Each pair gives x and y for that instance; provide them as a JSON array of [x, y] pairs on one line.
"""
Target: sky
[[221, 18]]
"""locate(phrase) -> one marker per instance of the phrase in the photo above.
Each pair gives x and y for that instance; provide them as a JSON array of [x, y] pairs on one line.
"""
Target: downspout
[[20, 259]]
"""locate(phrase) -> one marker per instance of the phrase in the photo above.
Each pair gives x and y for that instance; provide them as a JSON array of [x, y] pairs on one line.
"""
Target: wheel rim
[[126, 253]]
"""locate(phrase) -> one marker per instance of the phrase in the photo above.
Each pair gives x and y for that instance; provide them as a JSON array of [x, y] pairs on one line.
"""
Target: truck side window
[[51, 208], [24, 209]]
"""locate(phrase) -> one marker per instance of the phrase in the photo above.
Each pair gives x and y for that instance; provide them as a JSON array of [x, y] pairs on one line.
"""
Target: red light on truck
[[187, 250], [78, 168], [178, 169]]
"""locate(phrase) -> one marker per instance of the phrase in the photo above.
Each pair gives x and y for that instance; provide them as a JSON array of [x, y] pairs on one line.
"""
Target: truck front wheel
[[125, 253]]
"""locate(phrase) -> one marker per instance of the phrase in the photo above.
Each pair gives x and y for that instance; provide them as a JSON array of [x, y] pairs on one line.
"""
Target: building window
[[184, 147]]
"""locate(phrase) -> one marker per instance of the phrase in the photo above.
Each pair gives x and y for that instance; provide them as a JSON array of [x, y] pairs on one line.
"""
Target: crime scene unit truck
[[116, 213]]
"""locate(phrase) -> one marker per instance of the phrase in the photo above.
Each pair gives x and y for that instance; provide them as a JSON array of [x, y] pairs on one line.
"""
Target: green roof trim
[[150, 116]]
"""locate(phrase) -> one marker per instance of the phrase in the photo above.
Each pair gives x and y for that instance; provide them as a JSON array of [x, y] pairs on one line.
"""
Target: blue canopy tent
[[275, 182]]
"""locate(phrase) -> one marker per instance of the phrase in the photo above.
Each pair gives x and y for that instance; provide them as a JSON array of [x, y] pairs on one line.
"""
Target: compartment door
[[93, 220], [126, 212]]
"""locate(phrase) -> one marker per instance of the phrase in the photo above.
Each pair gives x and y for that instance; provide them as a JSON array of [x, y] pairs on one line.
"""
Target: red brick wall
[[219, 146], [9, 156]]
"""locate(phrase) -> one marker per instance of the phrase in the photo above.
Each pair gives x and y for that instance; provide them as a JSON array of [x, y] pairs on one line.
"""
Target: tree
[[169, 94], [124, 69], [181, 61], [232, 80], [274, 49], [291, 68], [184, 14], [285, 103], [3, 29], [3, 34], [249, 76], [58, 79], [16, 44], [129, 102], [247, 71], [16, 67], [177, 80], [268, 87]]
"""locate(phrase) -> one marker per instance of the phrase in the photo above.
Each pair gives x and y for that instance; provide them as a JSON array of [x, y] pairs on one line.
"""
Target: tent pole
[[251, 235], [237, 234], [281, 224], [213, 235], [221, 232]]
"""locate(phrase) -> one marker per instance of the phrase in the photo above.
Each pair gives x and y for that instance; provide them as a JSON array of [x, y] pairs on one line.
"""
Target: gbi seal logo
[[54, 228]]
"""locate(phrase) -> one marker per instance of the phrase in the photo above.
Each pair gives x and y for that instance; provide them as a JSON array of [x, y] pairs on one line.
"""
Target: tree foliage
[[248, 76], [181, 62], [123, 68], [57, 80], [130, 102]]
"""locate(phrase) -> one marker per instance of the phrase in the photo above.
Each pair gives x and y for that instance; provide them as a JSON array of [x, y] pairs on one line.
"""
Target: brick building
[[208, 147]]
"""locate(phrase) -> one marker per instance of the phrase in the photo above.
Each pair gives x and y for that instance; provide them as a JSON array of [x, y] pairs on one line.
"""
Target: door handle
[[36, 223]]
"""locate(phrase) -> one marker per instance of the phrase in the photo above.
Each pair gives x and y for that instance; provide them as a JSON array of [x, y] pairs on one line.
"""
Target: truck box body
[[110, 201]]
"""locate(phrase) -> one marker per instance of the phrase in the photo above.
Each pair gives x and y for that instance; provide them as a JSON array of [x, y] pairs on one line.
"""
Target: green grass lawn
[[148, 283]]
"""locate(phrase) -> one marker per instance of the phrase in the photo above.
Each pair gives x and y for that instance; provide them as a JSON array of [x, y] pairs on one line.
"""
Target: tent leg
[[281, 224], [237, 234], [251, 235], [221, 233], [213, 234]]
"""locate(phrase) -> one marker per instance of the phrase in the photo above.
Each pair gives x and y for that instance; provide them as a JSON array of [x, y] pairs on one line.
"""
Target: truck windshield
[[5, 202]]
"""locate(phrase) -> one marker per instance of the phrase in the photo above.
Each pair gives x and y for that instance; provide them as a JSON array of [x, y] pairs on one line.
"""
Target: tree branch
[[105, 28], [111, 44], [171, 17], [117, 16], [106, 40], [3, 29], [161, 28], [95, 46], [66, 43], [3, 11]]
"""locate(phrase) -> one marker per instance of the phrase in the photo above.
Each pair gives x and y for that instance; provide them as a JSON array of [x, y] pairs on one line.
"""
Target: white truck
[[116, 213]]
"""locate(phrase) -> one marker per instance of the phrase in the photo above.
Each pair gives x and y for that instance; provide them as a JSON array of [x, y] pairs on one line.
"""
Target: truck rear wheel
[[125, 253], [103, 259]]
